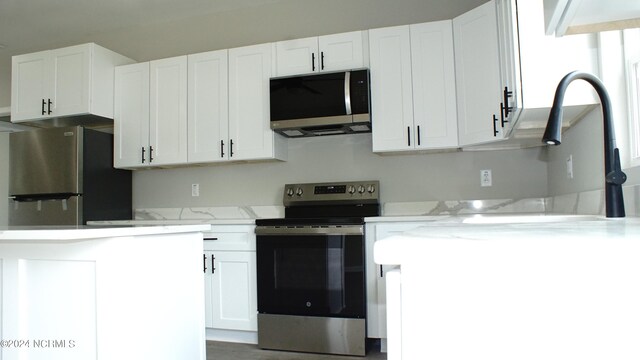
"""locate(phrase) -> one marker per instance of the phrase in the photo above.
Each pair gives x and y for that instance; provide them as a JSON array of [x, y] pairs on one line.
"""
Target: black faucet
[[614, 177]]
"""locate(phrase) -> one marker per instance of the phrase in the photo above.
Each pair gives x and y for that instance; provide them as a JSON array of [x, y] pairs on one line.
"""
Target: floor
[[233, 351]]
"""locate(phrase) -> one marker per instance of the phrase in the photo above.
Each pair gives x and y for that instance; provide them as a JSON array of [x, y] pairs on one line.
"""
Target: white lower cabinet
[[229, 265], [376, 275]]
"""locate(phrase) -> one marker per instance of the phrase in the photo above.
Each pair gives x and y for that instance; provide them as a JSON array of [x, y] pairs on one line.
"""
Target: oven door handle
[[311, 230]]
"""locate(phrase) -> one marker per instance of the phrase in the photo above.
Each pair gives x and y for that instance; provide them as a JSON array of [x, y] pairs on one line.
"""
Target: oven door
[[311, 271]]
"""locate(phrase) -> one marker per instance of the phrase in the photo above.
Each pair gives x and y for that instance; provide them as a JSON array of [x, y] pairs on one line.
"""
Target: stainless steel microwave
[[321, 104]]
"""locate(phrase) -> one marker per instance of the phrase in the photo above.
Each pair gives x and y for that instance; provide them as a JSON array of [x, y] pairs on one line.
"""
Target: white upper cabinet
[[131, 117], [534, 63], [391, 89], [250, 134], [478, 76], [200, 108], [76, 80], [208, 110], [168, 111], [413, 87], [150, 126], [434, 90], [507, 71], [325, 53]]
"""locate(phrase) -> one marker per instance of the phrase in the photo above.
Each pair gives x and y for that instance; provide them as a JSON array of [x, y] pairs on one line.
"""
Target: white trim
[[632, 65]]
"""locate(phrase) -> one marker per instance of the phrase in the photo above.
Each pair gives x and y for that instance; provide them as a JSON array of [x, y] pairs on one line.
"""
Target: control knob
[[299, 191], [290, 192], [371, 189], [351, 189], [361, 189]]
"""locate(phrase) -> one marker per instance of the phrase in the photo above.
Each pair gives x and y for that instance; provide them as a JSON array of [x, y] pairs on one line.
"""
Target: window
[[632, 57]]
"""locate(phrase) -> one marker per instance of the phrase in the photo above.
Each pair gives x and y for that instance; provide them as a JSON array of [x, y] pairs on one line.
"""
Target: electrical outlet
[[570, 167], [195, 189], [485, 177]]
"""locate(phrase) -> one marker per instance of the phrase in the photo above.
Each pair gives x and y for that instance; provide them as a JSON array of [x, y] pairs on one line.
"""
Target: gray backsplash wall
[[421, 177]]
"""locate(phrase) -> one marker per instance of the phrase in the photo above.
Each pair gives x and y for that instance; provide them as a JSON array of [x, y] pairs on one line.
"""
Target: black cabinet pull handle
[[204, 263], [418, 134], [231, 148], [506, 109], [43, 104], [503, 113], [313, 61], [408, 136], [495, 122], [322, 60], [213, 267], [143, 151], [150, 154], [381, 272], [49, 107], [221, 148]]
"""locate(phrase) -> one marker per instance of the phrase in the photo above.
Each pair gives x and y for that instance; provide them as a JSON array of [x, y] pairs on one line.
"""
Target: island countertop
[[508, 287], [83, 232], [98, 292]]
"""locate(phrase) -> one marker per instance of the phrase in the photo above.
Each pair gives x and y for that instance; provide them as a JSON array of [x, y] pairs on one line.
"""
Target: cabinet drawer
[[233, 240]]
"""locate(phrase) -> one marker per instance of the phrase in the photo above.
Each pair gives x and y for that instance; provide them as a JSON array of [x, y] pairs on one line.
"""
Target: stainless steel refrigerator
[[65, 176]]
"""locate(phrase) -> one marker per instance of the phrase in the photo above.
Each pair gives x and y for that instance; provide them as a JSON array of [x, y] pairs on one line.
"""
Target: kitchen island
[[125, 292], [509, 287]]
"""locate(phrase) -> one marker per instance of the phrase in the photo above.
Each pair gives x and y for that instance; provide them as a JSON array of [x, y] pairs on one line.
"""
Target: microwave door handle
[[347, 92]]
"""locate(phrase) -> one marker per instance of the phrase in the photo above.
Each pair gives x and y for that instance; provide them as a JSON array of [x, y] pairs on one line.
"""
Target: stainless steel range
[[311, 269]]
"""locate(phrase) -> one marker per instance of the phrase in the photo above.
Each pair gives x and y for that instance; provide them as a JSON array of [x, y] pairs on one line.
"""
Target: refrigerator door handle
[[41, 197]]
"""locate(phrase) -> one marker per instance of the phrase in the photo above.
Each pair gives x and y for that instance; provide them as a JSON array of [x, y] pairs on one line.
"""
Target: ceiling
[[33, 24], [30, 25]]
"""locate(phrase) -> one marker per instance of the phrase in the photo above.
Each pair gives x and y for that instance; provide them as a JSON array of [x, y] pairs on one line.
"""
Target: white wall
[[441, 176]]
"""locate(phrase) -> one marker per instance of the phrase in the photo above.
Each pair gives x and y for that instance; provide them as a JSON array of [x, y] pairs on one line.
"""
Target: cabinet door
[[434, 91], [250, 136], [208, 111], [131, 116], [232, 292], [341, 51], [477, 75], [391, 91], [510, 101], [31, 83], [168, 111], [299, 56], [71, 71], [209, 291]]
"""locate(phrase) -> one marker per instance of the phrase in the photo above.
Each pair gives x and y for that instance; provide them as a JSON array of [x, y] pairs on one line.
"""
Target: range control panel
[[341, 192]]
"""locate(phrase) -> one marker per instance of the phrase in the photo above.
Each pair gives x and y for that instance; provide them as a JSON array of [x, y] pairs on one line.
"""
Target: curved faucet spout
[[614, 177]]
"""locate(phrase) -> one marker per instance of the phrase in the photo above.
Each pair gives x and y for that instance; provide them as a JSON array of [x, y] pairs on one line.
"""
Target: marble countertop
[[67, 233], [508, 231], [157, 222]]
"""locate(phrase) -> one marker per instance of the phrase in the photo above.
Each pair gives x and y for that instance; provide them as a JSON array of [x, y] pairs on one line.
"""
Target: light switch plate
[[570, 167], [195, 189]]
